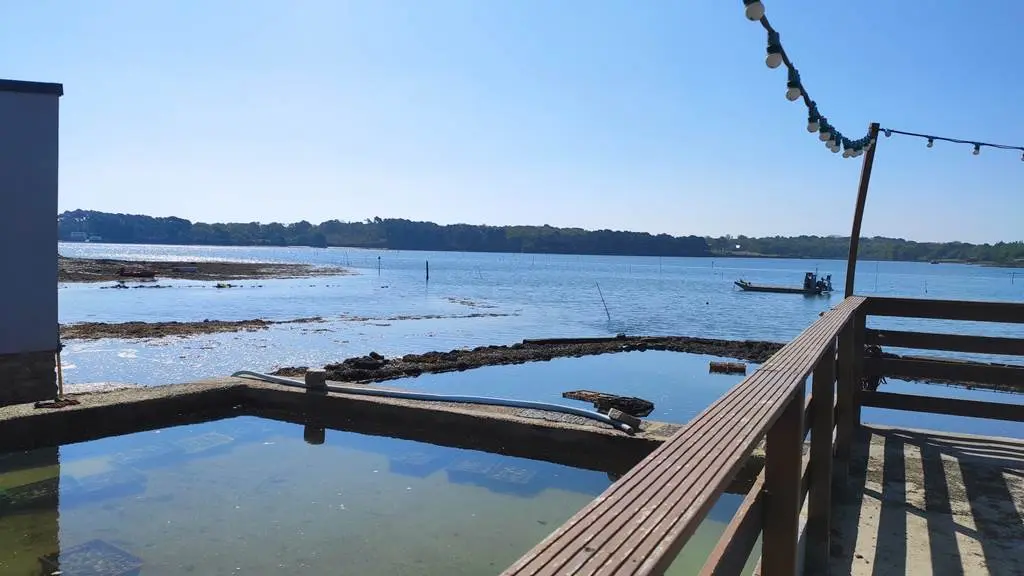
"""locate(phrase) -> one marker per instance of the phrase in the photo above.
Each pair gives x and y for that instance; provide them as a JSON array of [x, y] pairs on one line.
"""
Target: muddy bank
[[101, 270], [376, 368], [147, 330], [140, 330]]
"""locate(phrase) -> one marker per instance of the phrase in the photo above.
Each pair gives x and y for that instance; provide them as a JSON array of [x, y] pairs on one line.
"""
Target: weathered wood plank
[[819, 507], [960, 372], [847, 382], [947, 342], [641, 522], [950, 406], [783, 483], [737, 542], [1009, 312]]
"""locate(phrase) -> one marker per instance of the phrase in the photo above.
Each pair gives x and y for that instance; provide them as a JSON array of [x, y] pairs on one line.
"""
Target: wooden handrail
[[639, 525], [946, 342], [1008, 312]]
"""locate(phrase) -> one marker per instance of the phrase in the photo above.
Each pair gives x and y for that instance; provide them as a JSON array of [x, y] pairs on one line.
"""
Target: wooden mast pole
[[858, 213]]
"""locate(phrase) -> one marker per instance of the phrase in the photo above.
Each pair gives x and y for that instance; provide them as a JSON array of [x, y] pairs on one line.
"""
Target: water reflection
[[259, 496]]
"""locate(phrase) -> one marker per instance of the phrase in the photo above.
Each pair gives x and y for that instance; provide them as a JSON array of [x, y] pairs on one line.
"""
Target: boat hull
[[778, 289]]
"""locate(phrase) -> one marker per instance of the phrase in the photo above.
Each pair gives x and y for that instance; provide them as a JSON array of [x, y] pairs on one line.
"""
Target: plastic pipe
[[511, 403]]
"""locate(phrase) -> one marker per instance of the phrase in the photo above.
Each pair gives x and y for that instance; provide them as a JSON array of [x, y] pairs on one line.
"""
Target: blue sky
[[658, 116]]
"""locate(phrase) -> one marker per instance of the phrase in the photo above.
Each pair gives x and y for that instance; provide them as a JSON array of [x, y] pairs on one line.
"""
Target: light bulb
[[847, 153], [835, 148], [754, 9], [977, 149], [1022, 157], [825, 136], [831, 141], [792, 93], [931, 142], [812, 126], [888, 133], [773, 59]]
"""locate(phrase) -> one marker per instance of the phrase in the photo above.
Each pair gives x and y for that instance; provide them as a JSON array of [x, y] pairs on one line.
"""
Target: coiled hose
[[461, 399]]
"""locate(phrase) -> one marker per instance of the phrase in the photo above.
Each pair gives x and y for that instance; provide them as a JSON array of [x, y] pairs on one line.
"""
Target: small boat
[[813, 286]]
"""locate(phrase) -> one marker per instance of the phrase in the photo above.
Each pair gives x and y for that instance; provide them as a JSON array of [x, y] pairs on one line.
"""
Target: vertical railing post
[[859, 323], [819, 505], [782, 478], [845, 424]]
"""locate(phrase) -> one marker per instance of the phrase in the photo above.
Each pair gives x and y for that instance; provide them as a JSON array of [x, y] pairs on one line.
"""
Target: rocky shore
[[142, 330], [376, 368], [104, 270]]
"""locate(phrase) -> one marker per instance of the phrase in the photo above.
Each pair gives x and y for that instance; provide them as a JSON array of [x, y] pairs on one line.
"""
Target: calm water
[[249, 496], [532, 296]]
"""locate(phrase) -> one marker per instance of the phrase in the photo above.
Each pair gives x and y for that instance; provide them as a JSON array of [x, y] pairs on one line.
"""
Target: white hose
[[364, 391]]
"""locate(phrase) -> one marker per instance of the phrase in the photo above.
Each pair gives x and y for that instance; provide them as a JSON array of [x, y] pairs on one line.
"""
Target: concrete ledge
[[532, 434]]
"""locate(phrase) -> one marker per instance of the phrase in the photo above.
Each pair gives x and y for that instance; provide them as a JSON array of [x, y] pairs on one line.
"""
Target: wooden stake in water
[[378, 265], [428, 270], [60, 377], [599, 293]]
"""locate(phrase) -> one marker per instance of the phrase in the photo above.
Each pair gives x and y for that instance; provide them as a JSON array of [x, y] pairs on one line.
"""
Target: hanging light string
[[833, 139], [931, 141], [776, 56]]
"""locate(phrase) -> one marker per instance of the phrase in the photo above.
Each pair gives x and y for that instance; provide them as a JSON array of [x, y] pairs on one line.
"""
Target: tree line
[[401, 234], [388, 233]]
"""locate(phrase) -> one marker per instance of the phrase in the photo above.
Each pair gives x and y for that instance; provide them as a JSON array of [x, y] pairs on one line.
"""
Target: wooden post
[[845, 390], [859, 323], [819, 506], [428, 270], [782, 478], [316, 381], [858, 213]]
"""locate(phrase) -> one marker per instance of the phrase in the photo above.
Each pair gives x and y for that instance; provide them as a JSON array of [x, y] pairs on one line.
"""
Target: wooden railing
[[1009, 377], [641, 523]]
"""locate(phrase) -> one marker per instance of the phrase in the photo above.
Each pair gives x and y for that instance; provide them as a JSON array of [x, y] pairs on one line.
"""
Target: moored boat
[[813, 286]]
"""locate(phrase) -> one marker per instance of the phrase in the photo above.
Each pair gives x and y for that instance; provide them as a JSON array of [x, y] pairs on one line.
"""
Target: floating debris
[[727, 368], [604, 402]]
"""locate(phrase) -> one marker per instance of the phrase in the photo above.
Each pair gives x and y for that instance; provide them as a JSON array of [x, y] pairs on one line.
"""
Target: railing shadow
[[959, 494]]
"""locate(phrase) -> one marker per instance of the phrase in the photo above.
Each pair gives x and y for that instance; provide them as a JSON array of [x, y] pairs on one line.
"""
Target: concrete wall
[[29, 121]]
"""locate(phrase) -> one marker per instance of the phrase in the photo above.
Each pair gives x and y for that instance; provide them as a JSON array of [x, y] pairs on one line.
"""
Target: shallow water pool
[[247, 495]]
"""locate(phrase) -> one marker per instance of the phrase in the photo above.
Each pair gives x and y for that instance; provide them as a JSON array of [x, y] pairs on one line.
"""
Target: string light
[[775, 56], [976, 145], [773, 59], [753, 9]]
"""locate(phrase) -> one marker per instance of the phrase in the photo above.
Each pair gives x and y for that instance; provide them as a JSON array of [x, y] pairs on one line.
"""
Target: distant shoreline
[[722, 255], [403, 234]]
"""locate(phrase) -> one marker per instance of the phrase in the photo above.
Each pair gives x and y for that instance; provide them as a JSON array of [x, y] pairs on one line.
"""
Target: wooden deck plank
[[641, 522]]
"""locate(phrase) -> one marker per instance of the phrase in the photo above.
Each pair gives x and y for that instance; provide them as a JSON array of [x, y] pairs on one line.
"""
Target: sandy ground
[[95, 270], [931, 503]]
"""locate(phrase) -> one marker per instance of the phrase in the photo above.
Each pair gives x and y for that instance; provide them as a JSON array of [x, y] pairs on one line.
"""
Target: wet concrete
[[533, 434]]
